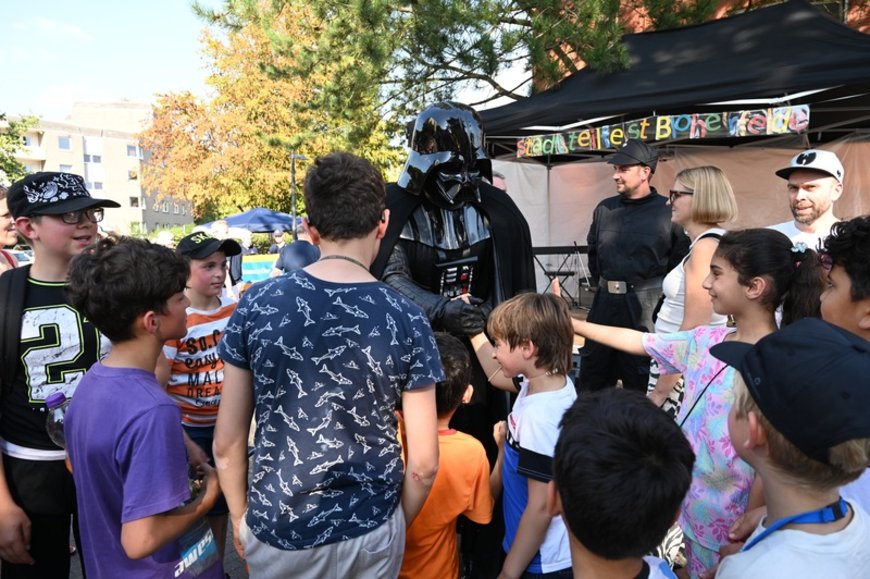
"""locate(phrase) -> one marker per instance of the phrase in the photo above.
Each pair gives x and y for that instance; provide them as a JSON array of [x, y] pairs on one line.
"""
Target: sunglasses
[[94, 215], [672, 194]]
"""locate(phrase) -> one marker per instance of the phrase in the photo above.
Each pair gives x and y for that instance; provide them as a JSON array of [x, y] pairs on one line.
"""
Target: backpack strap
[[13, 285]]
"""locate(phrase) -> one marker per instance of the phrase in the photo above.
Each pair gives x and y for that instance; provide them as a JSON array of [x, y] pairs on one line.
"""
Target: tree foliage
[[347, 74], [233, 151], [400, 55], [11, 133]]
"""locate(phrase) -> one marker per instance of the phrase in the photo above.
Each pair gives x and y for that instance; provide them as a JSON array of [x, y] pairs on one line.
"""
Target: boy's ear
[[149, 321], [382, 224], [312, 232], [24, 225], [469, 392], [757, 435], [554, 501], [529, 350]]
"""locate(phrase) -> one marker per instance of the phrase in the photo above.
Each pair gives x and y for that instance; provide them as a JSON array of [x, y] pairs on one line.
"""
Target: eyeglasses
[[827, 262], [94, 215], [672, 194]]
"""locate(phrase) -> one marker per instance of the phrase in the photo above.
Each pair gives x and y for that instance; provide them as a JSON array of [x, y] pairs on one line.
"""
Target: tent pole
[[549, 228], [293, 158]]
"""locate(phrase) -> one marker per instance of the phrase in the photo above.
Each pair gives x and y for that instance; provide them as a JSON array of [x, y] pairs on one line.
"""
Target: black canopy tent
[[786, 54]]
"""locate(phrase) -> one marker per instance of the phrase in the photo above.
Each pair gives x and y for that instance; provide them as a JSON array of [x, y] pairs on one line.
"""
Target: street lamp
[[293, 157]]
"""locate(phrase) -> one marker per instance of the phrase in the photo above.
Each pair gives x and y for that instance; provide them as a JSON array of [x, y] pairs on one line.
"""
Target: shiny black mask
[[447, 159], [454, 183]]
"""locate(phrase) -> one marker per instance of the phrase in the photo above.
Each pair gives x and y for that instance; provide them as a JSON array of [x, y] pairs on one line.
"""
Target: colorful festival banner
[[773, 121]]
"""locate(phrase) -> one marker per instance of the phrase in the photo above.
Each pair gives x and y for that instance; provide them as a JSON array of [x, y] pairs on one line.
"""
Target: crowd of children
[[764, 469]]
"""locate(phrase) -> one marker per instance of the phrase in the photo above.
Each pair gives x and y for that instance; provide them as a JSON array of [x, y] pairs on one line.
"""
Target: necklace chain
[[345, 258]]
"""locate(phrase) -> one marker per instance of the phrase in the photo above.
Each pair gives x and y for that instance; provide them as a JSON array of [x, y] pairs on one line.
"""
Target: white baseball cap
[[815, 160]]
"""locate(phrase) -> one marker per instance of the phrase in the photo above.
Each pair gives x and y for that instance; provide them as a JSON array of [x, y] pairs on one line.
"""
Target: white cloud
[[31, 54], [54, 27]]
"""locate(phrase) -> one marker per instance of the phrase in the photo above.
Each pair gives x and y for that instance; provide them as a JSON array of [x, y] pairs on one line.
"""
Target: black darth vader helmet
[[447, 158]]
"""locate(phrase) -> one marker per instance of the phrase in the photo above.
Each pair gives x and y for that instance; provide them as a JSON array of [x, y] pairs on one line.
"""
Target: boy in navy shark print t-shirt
[[323, 356]]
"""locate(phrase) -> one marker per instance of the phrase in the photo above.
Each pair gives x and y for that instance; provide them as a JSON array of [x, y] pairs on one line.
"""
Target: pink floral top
[[720, 480]]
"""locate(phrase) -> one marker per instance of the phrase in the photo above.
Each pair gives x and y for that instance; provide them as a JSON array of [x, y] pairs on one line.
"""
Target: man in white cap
[[815, 182]]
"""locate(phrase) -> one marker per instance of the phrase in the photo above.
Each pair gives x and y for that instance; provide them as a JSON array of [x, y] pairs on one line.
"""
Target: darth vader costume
[[452, 233]]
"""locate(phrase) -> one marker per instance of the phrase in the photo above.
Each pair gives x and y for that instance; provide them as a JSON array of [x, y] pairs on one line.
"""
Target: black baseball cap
[[200, 245], [810, 380], [49, 193], [635, 152]]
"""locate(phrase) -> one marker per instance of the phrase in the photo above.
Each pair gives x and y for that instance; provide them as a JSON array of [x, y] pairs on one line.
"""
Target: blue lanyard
[[833, 512]]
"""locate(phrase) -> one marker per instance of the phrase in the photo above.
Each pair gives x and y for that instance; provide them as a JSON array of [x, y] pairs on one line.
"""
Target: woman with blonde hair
[[701, 199]]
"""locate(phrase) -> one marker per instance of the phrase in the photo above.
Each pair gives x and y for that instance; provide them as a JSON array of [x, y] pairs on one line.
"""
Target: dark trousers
[[45, 491], [488, 406], [601, 366]]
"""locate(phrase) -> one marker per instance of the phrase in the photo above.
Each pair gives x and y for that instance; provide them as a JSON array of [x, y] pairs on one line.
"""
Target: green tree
[[233, 151], [347, 74], [11, 133], [399, 55]]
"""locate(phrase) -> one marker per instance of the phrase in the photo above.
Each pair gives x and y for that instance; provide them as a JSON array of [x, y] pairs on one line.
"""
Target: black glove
[[485, 308], [462, 319]]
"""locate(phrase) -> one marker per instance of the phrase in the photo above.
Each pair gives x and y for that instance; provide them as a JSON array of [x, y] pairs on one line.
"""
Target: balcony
[[30, 154]]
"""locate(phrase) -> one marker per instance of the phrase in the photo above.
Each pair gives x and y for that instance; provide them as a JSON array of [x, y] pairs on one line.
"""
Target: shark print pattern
[[329, 362]]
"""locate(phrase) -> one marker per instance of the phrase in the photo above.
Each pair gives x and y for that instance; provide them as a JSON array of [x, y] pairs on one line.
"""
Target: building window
[[184, 209], [134, 202], [27, 140], [63, 143], [132, 151], [156, 206], [30, 168], [93, 158], [95, 185], [132, 174], [166, 206], [65, 168], [175, 208]]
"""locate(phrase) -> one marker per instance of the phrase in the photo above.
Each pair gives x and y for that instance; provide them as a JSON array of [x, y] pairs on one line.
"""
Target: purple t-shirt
[[125, 443]]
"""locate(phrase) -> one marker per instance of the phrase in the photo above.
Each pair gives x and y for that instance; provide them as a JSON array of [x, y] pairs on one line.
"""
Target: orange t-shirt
[[461, 487], [197, 370]]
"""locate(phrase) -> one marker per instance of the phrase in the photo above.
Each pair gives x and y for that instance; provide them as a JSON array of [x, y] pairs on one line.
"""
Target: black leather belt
[[623, 287]]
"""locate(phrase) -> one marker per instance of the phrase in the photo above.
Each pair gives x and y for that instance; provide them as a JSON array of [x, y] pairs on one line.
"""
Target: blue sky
[[55, 52]]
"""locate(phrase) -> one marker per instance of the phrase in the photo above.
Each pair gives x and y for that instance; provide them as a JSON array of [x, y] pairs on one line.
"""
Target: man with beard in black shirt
[[632, 245]]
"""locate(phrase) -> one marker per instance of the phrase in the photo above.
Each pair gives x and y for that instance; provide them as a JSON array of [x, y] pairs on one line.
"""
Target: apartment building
[[98, 141]]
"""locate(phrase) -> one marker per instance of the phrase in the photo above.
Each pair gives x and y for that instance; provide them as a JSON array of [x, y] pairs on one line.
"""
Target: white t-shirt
[[796, 235], [792, 554], [858, 491], [658, 569], [533, 429]]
